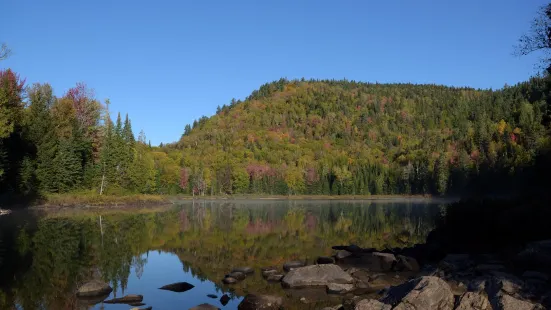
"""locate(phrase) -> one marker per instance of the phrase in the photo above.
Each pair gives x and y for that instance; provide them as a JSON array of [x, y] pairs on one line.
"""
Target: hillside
[[344, 137]]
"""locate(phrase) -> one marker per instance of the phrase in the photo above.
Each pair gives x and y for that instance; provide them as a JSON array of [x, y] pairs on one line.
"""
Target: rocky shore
[[365, 279]]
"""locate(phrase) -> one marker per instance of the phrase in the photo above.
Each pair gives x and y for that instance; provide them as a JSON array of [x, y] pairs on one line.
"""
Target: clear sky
[[167, 63]]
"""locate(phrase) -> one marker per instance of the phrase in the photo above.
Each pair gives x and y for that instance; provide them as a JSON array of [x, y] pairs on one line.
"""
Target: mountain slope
[[342, 137]]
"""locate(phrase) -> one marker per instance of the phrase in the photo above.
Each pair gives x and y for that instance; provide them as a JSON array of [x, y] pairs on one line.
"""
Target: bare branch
[[539, 36], [5, 51]]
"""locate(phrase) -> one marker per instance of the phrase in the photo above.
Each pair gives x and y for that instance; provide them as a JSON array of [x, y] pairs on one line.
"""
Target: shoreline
[[78, 201]]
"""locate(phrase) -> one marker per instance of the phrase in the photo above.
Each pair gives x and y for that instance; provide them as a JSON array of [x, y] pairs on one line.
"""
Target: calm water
[[44, 257]]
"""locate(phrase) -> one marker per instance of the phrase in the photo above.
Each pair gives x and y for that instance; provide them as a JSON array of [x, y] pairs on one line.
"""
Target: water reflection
[[44, 258]]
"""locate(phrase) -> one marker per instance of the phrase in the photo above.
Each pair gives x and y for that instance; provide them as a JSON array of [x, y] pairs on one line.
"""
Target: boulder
[[406, 263], [371, 304], [94, 288], [229, 280], [125, 300], [325, 260], [288, 266], [342, 254], [261, 302], [212, 296], [275, 277], [204, 307], [267, 273], [178, 287], [473, 301], [225, 299], [316, 275], [336, 288], [245, 270], [387, 260], [507, 302], [430, 293], [238, 275]]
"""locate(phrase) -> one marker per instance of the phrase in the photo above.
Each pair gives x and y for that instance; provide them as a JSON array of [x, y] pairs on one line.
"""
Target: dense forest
[[287, 137]]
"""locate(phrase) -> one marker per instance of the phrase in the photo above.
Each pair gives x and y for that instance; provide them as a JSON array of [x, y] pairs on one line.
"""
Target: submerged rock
[[94, 288], [406, 263], [292, 265], [136, 304], [237, 275], [225, 299], [245, 270], [229, 280], [260, 302], [125, 300], [178, 287], [316, 275], [336, 288], [212, 296], [204, 307]]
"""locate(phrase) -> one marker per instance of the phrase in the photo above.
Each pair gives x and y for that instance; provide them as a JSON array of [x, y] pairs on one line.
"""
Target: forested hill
[[344, 137]]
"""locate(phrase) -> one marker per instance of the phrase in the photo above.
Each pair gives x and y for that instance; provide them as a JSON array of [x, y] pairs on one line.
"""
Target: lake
[[46, 255]]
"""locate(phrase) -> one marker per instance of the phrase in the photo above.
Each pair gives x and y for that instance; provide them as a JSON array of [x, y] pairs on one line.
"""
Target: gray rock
[[288, 266], [325, 260], [238, 275], [535, 275], [229, 280], [474, 301], [125, 300], [275, 277], [316, 275], [430, 293], [266, 273], [342, 254], [245, 270], [507, 302], [94, 288], [260, 302], [336, 288], [204, 307], [371, 304], [178, 287], [406, 263], [387, 260]]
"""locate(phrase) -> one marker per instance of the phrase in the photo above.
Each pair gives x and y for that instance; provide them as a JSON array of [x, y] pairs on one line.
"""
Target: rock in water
[[371, 304], [316, 275], [245, 270], [148, 308], [335, 288], [406, 263], [473, 301], [224, 299], [387, 261], [267, 273], [178, 287], [204, 307], [94, 288], [238, 275], [430, 293], [261, 302], [136, 304], [274, 277], [342, 254], [125, 300], [212, 296], [292, 265], [229, 280], [325, 260]]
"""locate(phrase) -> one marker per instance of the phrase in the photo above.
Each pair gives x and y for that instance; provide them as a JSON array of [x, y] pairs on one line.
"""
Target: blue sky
[[167, 63]]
